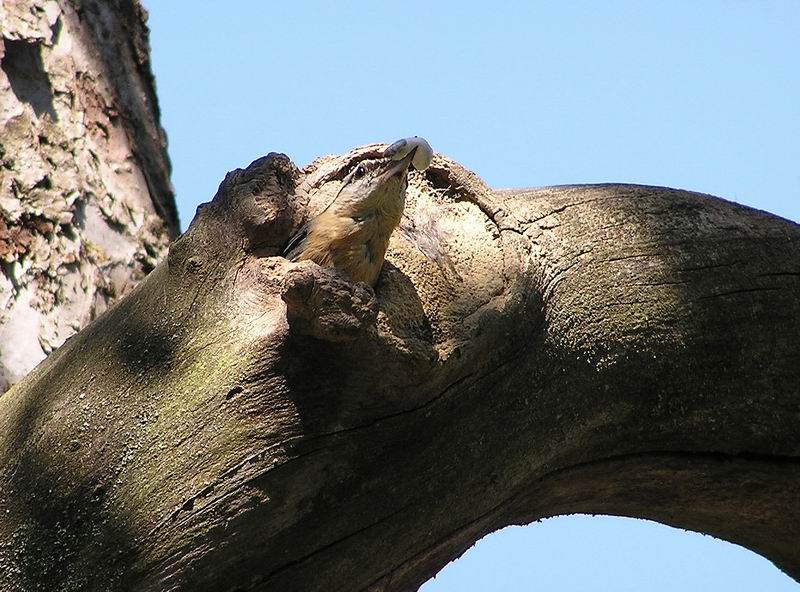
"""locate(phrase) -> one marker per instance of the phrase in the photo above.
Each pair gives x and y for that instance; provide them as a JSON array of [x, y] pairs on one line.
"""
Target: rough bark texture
[[86, 207], [240, 422]]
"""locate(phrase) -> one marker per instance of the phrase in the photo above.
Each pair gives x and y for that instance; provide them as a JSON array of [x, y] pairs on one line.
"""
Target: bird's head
[[375, 183]]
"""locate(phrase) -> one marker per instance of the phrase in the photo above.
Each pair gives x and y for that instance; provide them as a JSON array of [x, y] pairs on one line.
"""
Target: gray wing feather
[[297, 244]]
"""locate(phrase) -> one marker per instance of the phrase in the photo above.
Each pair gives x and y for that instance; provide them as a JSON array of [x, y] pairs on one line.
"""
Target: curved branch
[[244, 423]]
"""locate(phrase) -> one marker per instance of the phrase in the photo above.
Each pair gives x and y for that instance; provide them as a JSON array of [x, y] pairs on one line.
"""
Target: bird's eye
[[360, 171]]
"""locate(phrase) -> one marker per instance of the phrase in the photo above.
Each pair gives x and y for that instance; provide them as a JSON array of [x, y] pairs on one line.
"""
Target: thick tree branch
[[240, 422]]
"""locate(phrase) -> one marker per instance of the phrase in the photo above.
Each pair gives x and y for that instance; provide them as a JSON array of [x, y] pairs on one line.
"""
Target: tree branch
[[240, 422]]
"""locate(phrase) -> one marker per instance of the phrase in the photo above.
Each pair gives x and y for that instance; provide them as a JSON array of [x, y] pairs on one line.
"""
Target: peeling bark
[[240, 422], [86, 206]]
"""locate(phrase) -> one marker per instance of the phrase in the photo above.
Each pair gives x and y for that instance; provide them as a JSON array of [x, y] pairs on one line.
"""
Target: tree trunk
[[240, 422], [86, 207]]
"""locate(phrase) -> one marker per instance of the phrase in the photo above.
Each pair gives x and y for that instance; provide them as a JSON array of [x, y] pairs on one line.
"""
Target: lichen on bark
[[86, 206]]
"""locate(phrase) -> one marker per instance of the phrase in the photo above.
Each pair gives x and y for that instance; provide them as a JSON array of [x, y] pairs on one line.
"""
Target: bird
[[352, 233]]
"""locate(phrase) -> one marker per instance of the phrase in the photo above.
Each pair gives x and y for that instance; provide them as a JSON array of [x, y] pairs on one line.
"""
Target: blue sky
[[696, 95]]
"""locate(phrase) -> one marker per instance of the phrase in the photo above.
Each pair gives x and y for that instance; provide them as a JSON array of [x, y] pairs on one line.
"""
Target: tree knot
[[321, 303]]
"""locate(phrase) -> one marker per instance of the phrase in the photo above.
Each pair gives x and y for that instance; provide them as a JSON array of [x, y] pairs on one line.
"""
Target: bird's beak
[[397, 167]]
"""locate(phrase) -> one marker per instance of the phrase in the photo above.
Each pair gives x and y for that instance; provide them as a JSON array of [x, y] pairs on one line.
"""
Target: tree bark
[[86, 206], [240, 422]]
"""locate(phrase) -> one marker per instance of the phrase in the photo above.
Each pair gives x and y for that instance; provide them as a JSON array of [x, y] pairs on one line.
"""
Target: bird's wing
[[296, 245]]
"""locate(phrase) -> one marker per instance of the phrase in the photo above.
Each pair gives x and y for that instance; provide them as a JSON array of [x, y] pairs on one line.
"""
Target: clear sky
[[700, 95]]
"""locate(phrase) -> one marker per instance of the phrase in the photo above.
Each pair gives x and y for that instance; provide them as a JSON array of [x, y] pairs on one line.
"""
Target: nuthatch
[[352, 233]]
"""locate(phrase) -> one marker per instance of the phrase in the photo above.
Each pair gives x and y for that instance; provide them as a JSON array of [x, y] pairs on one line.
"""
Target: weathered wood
[[86, 207], [240, 422]]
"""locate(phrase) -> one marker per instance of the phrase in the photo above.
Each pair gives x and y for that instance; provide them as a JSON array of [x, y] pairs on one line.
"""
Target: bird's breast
[[354, 242]]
